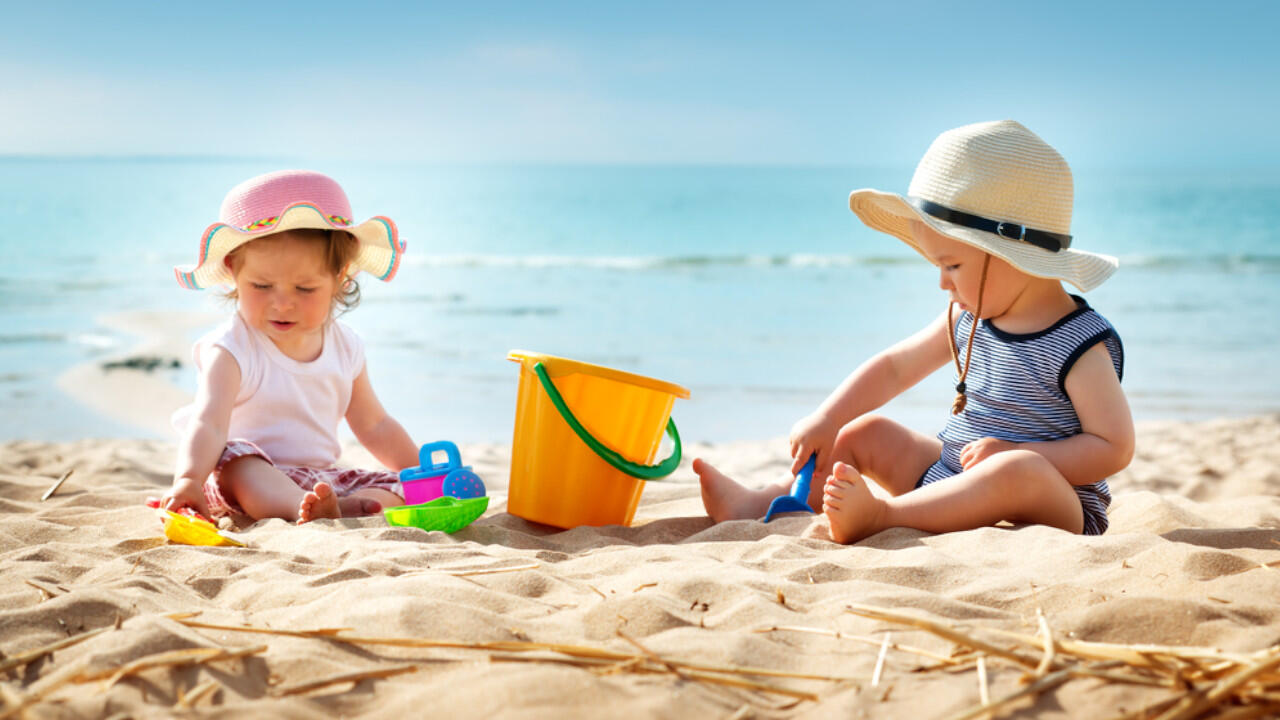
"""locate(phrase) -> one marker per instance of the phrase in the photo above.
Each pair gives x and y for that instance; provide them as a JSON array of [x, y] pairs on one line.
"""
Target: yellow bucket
[[585, 440]]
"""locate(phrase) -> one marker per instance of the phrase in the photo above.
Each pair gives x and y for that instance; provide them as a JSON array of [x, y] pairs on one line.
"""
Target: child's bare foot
[[848, 503], [724, 498], [321, 502]]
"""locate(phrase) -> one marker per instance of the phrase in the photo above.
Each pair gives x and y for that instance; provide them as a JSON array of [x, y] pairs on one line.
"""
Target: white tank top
[[288, 408]]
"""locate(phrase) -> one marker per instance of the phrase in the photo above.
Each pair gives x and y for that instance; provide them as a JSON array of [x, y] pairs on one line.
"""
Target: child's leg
[[374, 499], [893, 455], [323, 502], [726, 499], [263, 490], [260, 488], [1019, 486]]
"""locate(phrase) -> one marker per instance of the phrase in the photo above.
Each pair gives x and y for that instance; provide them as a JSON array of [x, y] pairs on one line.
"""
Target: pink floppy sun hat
[[289, 200]]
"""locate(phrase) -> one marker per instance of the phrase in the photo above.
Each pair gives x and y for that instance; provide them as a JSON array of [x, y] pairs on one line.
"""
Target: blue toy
[[797, 501], [432, 480]]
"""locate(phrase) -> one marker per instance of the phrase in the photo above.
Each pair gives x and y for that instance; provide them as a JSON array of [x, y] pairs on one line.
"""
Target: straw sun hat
[[289, 200], [1000, 188]]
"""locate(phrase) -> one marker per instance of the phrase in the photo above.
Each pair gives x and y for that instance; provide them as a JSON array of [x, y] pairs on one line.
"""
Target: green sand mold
[[446, 514]]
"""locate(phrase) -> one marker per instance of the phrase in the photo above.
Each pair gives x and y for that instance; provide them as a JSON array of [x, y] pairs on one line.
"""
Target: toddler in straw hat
[[278, 376], [1039, 420]]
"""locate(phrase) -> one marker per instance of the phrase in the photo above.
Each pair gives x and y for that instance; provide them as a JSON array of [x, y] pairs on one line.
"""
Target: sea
[[753, 287]]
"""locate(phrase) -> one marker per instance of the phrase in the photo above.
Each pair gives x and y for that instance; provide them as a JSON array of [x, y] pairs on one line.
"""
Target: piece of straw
[[48, 593], [188, 699], [57, 484], [1250, 682], [884, 650], [1049, 646], [30, 656], [943, 631], [1196, 706], [9, 696], [171, 658], [694, 675], [1138, 654], [353, 677], [643, 665], [26, 701], [650, 655], [635, 664], [498, 646], [1048, 682], [984, 695], [1122, 678]]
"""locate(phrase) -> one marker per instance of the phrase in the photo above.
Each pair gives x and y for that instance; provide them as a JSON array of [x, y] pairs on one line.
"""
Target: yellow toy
[[195, 531]]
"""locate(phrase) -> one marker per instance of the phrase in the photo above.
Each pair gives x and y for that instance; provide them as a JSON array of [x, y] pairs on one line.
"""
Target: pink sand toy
[[431, 480]]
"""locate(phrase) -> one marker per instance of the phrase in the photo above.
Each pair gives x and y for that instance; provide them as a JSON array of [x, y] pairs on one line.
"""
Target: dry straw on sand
[[1171, 614], [1202, 682], [1199, 682]]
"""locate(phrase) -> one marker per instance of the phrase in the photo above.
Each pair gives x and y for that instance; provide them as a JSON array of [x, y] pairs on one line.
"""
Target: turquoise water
[[754, 287]]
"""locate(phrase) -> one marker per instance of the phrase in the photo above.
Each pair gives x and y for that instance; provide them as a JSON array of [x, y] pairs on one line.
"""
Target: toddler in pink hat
[[278, 376]]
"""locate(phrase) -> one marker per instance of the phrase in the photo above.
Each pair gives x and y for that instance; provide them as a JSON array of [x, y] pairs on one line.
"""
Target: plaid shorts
[[344, 481]]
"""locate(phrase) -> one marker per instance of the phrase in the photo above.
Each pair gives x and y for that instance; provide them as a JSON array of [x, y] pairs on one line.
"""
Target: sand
[[1192, 558], [141, 398]]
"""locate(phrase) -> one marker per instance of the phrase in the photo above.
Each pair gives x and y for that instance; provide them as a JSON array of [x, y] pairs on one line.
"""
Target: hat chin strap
[[957, 405]]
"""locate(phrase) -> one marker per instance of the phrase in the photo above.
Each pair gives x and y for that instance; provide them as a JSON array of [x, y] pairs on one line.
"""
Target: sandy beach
[[695, 193], [672, 617]]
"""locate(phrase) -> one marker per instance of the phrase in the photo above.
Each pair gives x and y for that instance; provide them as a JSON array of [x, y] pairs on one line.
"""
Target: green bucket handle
[[636, 470]]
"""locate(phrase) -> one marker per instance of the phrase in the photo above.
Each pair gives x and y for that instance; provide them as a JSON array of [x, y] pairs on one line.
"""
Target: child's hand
[[981, 449], [185, 493], [811, 434]]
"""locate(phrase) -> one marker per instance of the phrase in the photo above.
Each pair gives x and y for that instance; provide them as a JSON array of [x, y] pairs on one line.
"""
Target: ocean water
[[754, 287]]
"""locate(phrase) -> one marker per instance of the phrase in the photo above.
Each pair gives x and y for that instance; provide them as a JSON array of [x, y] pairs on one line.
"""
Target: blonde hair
[[339, 248]]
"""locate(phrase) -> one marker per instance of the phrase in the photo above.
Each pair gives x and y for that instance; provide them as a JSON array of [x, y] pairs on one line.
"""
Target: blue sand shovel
[[797, 500]]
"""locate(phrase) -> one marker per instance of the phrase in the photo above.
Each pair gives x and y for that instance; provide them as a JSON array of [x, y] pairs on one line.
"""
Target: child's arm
[[1104, 446], [377, 431], [874, 383], [206, 433]]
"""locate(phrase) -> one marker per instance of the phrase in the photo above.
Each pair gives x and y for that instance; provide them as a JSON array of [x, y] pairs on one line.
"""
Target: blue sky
[[1108, 83]]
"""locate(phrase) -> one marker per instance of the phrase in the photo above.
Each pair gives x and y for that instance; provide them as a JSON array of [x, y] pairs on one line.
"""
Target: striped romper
[[1016, 391]]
